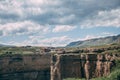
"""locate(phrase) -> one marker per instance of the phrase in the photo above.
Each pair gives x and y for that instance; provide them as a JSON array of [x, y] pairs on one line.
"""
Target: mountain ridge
[[95, 41]]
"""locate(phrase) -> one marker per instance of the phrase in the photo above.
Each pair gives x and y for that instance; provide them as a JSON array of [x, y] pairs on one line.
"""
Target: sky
[[57, 22]]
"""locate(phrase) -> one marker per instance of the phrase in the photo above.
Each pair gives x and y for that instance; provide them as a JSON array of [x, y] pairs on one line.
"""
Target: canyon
[[56, 66]]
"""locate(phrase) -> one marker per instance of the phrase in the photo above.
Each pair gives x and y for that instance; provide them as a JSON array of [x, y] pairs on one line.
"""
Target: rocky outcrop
[[80, 66], [25, 67], [39, 67]]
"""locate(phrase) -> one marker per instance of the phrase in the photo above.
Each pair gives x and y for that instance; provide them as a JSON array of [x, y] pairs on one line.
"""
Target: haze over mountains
[[90, 42], [4, 45], [1, 45], [95, 42]]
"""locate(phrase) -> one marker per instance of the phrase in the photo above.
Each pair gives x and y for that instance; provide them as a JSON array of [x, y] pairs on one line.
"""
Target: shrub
[[115, 75]]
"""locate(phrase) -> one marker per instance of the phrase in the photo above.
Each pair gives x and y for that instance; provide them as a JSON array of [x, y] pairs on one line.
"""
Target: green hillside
[[95, 42]]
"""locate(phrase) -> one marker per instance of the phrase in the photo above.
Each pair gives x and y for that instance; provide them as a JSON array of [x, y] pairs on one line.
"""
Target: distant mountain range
[[3, 45], [95, 42]]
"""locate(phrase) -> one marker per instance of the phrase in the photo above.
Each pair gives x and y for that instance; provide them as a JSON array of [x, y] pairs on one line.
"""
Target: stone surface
[[80, 66], [60, 66], [27, 67]]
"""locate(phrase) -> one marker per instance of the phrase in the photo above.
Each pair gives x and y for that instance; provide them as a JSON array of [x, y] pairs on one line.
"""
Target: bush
[[101, 78], [73, 79], [115, 75]]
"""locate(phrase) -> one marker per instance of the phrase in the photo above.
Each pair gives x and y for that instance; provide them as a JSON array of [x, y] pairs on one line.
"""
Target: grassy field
[[18, 50]]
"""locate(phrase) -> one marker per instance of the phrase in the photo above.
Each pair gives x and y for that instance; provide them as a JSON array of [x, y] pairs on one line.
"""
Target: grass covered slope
[[95, 42]]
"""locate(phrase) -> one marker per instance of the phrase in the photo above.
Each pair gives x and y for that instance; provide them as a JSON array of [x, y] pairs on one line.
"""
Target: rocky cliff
[[81, 66], [27, 67], [37, 67]]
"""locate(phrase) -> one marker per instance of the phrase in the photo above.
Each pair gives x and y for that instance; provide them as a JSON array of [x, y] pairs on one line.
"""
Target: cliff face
[[37, 67], [27, 67], [81, 66]]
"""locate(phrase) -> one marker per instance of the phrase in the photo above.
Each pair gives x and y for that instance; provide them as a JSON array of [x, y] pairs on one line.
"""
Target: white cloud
[[108, 33], [11, 7], [20, 9], [20, 28], [32, 11], [31, 16], [103, 19], [60, 12], [87, 37], [36, 2], [42, 41], [63, 28], [103, 34], [41, 2], [55, 41], [68, 19]]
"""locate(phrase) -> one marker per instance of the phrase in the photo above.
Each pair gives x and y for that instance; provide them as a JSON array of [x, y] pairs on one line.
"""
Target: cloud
[[22, 28], [63, 28], [87, 37], [55, 41], [103, 34], [108, 34], [10, 9], [38, 17], [72, 12], [57, 12], [36, 37], [43, 41], [41, 2], [103, 19]]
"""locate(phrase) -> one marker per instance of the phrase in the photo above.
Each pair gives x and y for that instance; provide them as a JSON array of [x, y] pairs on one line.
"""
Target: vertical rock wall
[[80, 66], [37, 67], [25, 67]]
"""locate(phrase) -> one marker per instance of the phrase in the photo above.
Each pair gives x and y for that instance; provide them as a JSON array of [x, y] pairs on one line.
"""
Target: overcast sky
[[57, 22]]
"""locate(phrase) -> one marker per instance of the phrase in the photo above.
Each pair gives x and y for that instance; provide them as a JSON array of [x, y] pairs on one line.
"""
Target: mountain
[[95, 42], [3, 45]]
